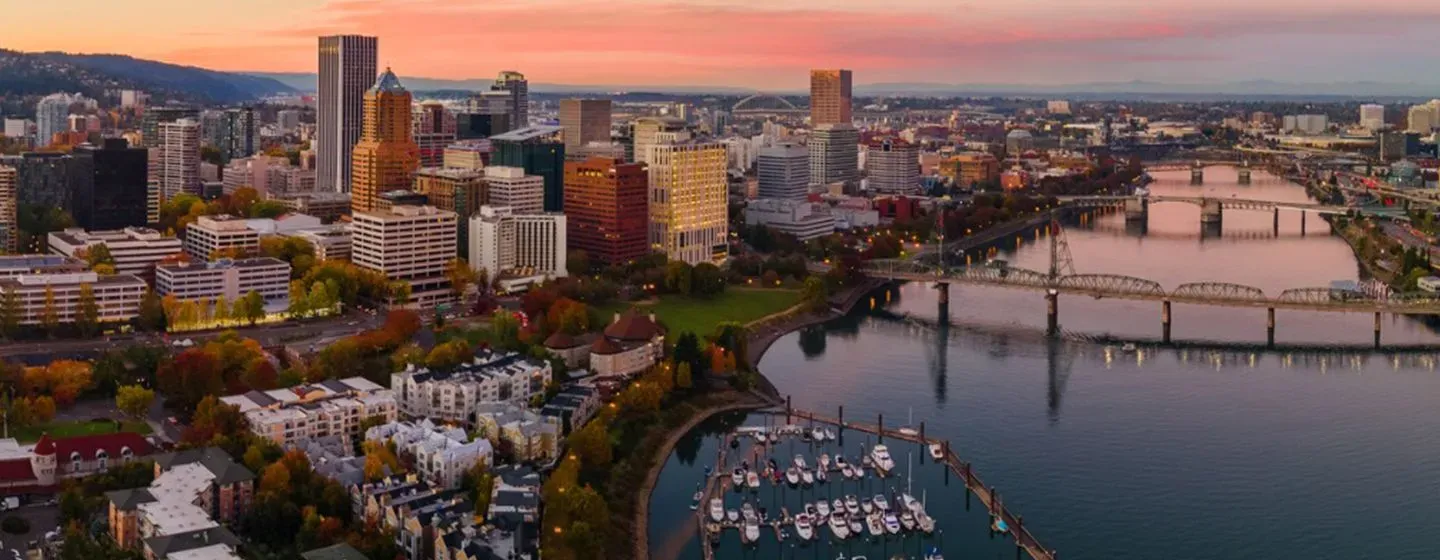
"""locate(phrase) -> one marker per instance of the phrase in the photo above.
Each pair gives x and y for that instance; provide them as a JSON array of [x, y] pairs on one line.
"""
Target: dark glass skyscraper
[[110, 191], [537, 150]]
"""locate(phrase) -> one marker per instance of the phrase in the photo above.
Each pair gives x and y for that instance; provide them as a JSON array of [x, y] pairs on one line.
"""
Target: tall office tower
[[288, 119], [689, 218], [1423, 118], [461, 191], [410, 244], [519, 90], [239, 129], [1372, 117], [44, 178], [112, 190], [487, 113], [433, 130], [645, 131], [834, 154], [607, 209], [830, 97], [893, 166], [179, 161], [156, 116], [51, 116], [584, 121], [537, 150], [502, 240], [9, 210], [347, 68], [386, 157], [784, 171], [513, 188]]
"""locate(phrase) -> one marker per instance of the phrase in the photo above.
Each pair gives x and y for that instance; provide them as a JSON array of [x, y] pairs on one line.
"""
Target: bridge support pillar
[[1210, 211], [1165, 321], [1197, 175], [1052, 322], [1270, 328], [1137, 209], [1377, 330], [944, 288], [1302, 222], [880, 428], [1243, 176], [1276, 227]]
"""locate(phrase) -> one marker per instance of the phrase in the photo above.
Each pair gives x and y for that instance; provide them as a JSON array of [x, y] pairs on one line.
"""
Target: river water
[[1212, 449]]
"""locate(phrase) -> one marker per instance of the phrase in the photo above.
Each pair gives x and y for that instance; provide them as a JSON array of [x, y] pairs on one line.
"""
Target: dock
[[1025, 540]]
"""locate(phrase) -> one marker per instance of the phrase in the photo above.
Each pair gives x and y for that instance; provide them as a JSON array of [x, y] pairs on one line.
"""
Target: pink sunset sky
[[769, 44]]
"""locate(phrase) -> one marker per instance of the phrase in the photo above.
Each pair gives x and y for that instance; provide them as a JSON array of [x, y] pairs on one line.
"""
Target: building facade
[[514, 188], [135, 250], [646, 132], [518, 89], [116, 297], [584, 121], [222, 233], [452, 396], [835, 155], [386, 157], [537, 150], [462, 191], [783, 171], [892, 166], [688, 202], [830, 97], [112, 189], [433, 129], [502, 242], [9, 210], [347, 67], [410, 244], [179, 158], [231, 279], [804, 220], [332, 408], [607, 209]]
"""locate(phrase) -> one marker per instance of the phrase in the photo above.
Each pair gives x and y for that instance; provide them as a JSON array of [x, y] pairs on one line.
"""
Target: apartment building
[[224, 232], [408, 244], [293, 416], [443, 454], [231, 279], [452, 396]]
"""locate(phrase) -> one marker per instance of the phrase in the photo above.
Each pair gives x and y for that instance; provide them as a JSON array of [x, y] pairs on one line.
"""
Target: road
[[320, 332]]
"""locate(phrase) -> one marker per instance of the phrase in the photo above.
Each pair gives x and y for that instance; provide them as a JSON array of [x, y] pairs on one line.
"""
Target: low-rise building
[[442, 454], [328, 206], [504, 242], [804, 220], [333, 457], [334, 407], [117, 297], [631, 344], [135, 250], [331, 243], [286, 224], [531, 436], [452, 396], [38, 468], [193, 491], [412, 244], [231, 279], [572, 407], [211, 234]]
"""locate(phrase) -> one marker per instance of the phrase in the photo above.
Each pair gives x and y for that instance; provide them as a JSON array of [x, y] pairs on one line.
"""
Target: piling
[[1165, 321], [1270, 328]]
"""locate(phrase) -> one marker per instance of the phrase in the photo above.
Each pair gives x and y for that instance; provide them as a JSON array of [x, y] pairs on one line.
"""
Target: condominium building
[[533, 437], [386, 157], [607, 209], [468, 154], [646, 131], [9, 210], [804, 220], [443, 454], [433, 128], [51, 116], [783, 171], [830, 96], [834, 155], [179, 155], [336, 407], [892, 166], [44, 178], [1372, 116], [452, 395], [408, 244], [136, 250], [584, 121], [505, 243], [330, 243], [971, 168], [347, 67], [223, 232], [689, 218], [178, 515], [158, 115], [231, 279], [512, 187], [1423, 119], [117, 296], [461, 191], [256, 172]]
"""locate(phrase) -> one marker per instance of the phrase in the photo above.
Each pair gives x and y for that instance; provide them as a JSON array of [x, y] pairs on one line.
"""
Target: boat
[[820, 475], [752, 480], [908, 431], [865, 461], [873, 523], [856, 526], [752, 531], [732, 515], [1128, 347], [717, 509], [792, 476], [881, 503], [829, 434], [852, 504], [823, 508], [747, 511], [892, 523], [838, 505], [839, 526], [824, 461], [925, 522], [737, 478], [910, 503], [934, 554], [937, 451], [907, 520], [866, 505], [799, 461], [803, 527], [806, 478], [847, 471], [999, 525], [840, 462], [695, 499], [880, 455], [817, 434]]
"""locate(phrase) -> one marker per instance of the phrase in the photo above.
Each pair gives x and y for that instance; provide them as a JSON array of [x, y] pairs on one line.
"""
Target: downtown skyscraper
[[347, 68], [519, 89], [830, 97], [584, 121], [386, 157]]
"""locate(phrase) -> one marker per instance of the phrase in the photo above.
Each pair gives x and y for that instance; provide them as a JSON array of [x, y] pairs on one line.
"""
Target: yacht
[[823, 508], [934, 554], [1000, 526], [752, 531], [852, 504], [1128, 348], [866, 505], [752, 480], [839, 526], [840, 462], [803, 527], [857, 527], [824, 461], [760, 437], [881, 503], [817, 434], [925, 522], [881, 457], [847, 472], [829, 434], [873, 523], [732, 515], [820, 475], [806, 478], [892, 523], [717, 510], [907, 520], [747, 511], [792, 476], [799, 461], [937, 451], [695, 499], [838, 505], [910, 503]]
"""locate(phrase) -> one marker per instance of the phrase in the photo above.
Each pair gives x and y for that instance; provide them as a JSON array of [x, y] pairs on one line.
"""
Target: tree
[[592, 444], [50, 314], [400, 293], [243, 200], [577, 262], [815, 294], [134, 401], [253, 307], [461, 276], [683, 377], [276, 479], [449, 355], [687, 351], [190, 377], [87, 313], [707, 280], [11, 312], [152, 312], [378, 458], [679, 277], [98, 255]]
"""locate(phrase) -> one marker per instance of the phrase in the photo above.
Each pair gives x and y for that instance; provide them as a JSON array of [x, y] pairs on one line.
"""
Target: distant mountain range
[[34, 74]]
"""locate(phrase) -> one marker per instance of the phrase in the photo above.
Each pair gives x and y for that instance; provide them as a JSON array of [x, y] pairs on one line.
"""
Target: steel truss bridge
[[1223, 203]]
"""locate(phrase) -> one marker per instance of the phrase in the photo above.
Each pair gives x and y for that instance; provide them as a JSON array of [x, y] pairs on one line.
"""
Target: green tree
[[679, 277], [50, 314], [683, 378], [11, 312], [253, 307], [152, 313], [223, 307], [87, 312], [400, 293], [461, 276], [707, 280], [134, 400], [98, 255], [592, 444], [577, 262], [815, 294]]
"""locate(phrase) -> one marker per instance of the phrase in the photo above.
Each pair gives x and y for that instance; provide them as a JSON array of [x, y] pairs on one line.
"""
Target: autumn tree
[[683, 378], [379, 457], [214, 419], [449, 354], [189, 377], [50, 314], [87, 312], [11, 313], [62, 379], [592, 444], [152, 312], [134, 401], [98, 255], [253, 307], [461, 276]]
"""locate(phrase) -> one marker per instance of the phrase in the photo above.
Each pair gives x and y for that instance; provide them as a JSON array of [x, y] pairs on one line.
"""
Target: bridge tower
[[1137, 209], [1243, 174], [1210, 211], [1197, 173], [1061, 264]]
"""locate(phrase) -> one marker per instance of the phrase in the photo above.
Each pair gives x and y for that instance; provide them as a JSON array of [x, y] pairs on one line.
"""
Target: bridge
[[1211, 209], [765, 104]]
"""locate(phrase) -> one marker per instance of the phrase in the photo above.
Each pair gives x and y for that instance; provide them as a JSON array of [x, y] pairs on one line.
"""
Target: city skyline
[[752, 44]]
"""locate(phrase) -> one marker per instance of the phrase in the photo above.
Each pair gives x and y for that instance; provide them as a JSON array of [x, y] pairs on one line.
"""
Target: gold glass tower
[[386, 157]]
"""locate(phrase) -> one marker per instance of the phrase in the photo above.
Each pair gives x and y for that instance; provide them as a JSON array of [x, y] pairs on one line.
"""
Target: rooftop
[[388, 83], [527, 134]]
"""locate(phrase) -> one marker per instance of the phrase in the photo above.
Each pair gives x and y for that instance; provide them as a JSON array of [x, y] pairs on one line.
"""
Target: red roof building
[[40, 467]]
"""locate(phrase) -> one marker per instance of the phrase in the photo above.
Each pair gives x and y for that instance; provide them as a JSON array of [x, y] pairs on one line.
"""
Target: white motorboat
[[857, 527], [732, 515], [820, 475], [892, 523], [747, 511], [910, 503], [810, 509], [847, 471], [1128, 347], [925, 522], [881, 503], [760, 437], [829, 434], [752, 479], [837, 505], [880, 457], [806, 478], [717, 510], [792, 475], [817, 434], [907, 520], [840, 462], [695, 499], [937, 451], [752, 531], [824, 461], [873, 523], [852, 505], [823, 508], [804, 527], [839, 526], [799, 461], [866, 505]]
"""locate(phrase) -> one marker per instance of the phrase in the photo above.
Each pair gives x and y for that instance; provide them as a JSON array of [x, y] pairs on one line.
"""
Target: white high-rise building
[[1372, 117], [503, 241], [689, 218], [1058, 107], [1312, 124], [411, 244], [834, 154], [179, 168], [892, 166], [52, 115], [511, 187], [1424, 118], [646, 130], [347, 69], [783, 171]]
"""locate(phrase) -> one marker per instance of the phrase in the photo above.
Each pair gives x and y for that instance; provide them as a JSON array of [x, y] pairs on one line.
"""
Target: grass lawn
[[77, 428], [701, 316]]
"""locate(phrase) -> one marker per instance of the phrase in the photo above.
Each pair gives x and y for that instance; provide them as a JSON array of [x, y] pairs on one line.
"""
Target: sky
[[770, 44]]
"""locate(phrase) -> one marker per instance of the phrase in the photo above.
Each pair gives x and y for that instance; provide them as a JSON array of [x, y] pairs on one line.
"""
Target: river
[[1210, 450]]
